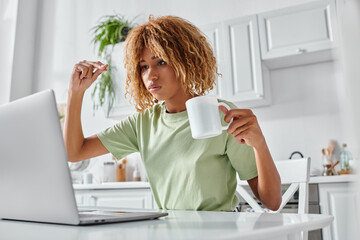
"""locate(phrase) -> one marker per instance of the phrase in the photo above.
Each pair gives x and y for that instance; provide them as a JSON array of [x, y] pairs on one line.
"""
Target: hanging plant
[[111, 30]]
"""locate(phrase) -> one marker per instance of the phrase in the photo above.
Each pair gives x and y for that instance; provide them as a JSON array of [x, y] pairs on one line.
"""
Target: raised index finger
[[98, 64]]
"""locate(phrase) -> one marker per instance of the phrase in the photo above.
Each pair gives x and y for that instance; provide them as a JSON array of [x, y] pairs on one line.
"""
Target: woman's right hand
[[84, 74]]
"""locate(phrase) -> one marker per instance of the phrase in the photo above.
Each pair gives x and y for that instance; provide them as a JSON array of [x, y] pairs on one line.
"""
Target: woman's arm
[[245, 129], [80, 148], [267, 185]]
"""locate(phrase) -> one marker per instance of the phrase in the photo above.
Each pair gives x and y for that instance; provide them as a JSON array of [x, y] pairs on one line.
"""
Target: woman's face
[[159, 77]]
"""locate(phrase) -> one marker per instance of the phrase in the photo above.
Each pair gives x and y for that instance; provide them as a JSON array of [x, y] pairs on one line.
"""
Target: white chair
[[293, 172]]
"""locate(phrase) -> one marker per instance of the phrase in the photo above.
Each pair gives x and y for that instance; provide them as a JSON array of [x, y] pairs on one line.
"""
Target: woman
[[168, 59]]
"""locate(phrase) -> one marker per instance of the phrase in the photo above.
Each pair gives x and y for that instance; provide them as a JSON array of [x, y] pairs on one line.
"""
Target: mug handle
[[228, 108]]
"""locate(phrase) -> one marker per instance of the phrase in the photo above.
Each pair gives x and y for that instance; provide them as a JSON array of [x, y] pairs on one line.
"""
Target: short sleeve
[[241, 156], [121, 139]]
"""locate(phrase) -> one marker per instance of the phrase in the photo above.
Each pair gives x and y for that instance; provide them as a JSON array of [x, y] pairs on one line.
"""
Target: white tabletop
[[177, 225]]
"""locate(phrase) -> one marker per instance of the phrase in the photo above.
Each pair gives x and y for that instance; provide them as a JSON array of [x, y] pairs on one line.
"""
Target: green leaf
[[106, 34]]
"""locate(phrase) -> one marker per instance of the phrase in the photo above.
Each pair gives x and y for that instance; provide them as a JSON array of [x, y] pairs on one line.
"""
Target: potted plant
[[111, 30]]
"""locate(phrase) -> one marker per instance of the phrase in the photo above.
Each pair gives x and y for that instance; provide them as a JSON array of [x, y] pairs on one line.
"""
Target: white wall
[[22, 79], [8, 15], [17, 45], [350, 33], [350, 97], [305, 112]]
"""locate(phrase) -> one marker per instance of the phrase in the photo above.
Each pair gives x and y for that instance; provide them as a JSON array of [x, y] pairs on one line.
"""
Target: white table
[[178, 225], [338, 197]]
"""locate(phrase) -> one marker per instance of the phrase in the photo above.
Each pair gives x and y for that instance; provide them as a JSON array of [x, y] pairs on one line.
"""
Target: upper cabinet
[[214, 34], [244, 82], [306, 30], [247, 47], [236, 47]]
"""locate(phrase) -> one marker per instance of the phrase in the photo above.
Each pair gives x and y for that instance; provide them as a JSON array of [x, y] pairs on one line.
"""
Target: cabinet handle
[[301, 50]]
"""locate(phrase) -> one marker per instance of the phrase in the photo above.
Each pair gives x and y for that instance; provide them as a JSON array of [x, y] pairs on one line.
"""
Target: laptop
[[35, 180]]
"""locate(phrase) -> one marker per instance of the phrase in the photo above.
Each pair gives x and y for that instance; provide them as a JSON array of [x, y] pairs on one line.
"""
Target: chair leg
[[304, 235], [303, 198]]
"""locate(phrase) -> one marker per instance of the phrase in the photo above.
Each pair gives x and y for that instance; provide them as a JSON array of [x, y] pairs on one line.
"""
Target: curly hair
[[181, 45]]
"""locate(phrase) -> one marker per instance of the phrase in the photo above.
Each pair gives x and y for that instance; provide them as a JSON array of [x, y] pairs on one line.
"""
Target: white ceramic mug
[[204, 116]]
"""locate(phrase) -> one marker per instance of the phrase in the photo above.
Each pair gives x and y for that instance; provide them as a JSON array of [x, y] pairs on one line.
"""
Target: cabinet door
[[297, 30], [82, 198], [122, 198], [214, 34], [242, 80], [338, 200]]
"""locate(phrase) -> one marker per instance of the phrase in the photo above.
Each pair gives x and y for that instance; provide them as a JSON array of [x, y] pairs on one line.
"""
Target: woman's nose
[[153, 74]]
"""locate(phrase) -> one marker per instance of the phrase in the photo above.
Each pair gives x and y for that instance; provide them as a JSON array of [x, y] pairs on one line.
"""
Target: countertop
[[137, 185], [112, 185], [334, 179], [177, 225]]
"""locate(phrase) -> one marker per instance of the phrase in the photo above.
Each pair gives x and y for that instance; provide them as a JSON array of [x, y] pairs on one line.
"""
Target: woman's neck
[[177, 105]]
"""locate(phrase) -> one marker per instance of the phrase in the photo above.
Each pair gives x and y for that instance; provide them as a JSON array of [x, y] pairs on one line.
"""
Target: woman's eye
[[161, 62], [143, 67]]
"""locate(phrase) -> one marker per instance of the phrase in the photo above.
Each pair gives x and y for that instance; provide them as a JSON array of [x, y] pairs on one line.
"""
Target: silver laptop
[[35, 180]]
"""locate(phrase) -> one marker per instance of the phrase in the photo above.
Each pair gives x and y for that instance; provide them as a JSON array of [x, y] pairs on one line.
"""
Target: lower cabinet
[[339, 200], [118, 198]]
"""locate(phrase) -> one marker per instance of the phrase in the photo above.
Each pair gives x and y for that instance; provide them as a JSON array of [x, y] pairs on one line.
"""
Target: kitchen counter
[[177, 225], [334, 179], [326, 179], [139, 185], [112, 185]]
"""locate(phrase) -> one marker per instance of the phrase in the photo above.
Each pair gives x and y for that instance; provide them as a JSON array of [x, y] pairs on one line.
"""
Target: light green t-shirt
[[184, 173]]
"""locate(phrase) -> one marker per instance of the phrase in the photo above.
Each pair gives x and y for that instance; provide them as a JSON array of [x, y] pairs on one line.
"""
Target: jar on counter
[[121, 171], [136, 174], [109, 172], [87, 178], [345, 157]]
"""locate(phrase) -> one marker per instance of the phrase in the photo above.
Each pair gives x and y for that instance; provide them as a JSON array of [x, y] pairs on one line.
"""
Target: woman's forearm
[[269, 182], [73, 134]]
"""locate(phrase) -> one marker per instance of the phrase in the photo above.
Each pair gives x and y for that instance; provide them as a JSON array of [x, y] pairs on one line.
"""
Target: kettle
[[296, 152]]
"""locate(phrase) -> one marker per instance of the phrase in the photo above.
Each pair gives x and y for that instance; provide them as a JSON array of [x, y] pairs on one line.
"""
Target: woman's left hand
[[244, 127]]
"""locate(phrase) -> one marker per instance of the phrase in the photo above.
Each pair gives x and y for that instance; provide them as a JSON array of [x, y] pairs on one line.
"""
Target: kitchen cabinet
[[214, 34], [119, 196], [82, 197], [338, 199], [236, 46], [306, 33]]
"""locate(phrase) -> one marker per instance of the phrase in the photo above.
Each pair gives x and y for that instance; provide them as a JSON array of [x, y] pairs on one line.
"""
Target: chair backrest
[[293, 172]]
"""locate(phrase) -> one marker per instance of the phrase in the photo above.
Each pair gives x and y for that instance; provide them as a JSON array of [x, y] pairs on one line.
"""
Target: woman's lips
[[154, 88]]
